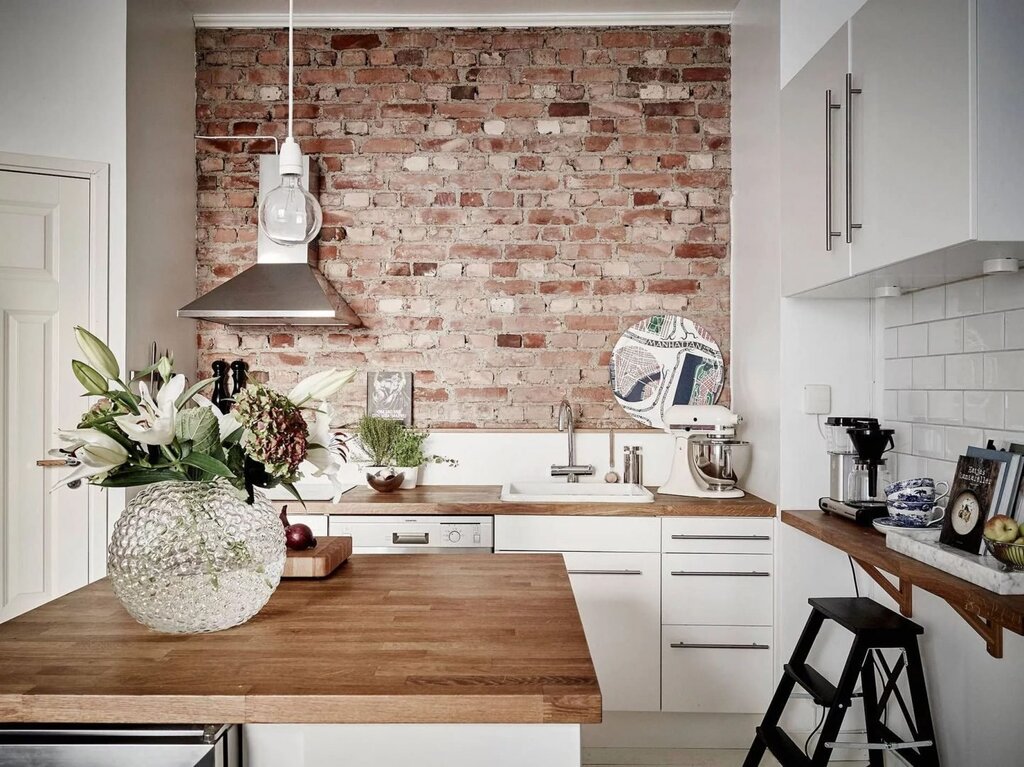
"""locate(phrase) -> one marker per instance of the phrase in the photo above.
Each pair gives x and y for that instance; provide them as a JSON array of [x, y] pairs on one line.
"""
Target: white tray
[[980, 570]]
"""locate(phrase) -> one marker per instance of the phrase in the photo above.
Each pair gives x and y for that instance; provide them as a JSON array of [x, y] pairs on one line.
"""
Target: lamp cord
[[291, 65]]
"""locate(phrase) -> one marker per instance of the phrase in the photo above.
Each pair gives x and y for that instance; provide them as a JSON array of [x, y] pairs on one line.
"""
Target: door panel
[[44, 293], [911, 125]]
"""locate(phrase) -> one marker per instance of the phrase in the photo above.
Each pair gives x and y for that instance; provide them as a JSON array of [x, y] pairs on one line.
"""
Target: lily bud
[[165, 367], [320, 386], [91, 380], [97, 353]]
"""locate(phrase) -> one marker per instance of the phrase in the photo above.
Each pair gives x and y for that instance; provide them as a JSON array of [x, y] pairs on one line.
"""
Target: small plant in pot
[[409, 456], [391, 447]]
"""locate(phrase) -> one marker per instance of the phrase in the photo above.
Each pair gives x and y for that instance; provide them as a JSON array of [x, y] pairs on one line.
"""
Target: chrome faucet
[[567, 423]]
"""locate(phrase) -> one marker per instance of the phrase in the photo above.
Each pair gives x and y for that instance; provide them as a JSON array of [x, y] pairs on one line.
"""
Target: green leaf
[[235, 437], [199, 426], [144, 373], [116, 434], [192, 391], [125, 400], [293, 491], [208, 464], [135, 477]]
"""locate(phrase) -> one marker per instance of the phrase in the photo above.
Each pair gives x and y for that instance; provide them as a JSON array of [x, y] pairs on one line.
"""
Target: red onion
[[296, 537]]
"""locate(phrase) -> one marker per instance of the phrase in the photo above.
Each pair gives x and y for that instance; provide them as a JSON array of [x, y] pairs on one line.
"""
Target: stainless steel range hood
[[284, 287]]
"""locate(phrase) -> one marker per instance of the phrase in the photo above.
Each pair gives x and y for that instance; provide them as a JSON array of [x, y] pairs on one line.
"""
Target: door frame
[[98, 176]]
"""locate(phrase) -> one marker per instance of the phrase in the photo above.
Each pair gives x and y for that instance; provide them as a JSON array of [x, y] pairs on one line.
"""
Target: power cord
[[821, 721], [853, 572]]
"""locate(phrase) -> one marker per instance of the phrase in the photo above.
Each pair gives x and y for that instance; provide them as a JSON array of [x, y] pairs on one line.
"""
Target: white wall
[[162, 181], [62, 76], [806, 26]]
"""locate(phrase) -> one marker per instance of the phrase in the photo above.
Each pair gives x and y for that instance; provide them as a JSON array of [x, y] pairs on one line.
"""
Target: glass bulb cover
[[289, 215]]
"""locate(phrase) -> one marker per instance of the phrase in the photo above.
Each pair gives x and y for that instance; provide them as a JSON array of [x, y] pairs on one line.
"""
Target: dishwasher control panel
[[372, 534]]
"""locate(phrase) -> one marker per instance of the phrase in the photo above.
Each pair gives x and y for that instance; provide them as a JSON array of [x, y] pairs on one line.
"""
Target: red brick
[[673, 287], [573, 109], [347, 42], [700, 250]]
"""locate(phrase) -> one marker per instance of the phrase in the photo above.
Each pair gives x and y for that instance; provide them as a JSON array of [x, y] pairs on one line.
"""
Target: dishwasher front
[[216, 745]]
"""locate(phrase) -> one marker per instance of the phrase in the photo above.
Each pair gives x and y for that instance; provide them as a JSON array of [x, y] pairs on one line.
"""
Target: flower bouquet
[[199, 548]]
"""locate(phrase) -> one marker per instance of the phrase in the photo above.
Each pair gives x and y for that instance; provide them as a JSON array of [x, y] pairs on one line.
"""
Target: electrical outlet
[[817, 399]]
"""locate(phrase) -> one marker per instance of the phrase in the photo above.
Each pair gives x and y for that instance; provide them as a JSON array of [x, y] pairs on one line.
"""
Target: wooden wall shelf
[[984, 611]]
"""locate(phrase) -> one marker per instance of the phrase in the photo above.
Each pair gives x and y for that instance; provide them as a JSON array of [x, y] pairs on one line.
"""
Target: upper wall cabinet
[[927, 160]]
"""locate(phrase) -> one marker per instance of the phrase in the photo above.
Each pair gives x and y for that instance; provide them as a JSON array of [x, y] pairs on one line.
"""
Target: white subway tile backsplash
[[908, 466], [946, 337], [898, 311], [964, 298], [1014, 410], [958, 440], [929, 304], [1004, 370], [1014, 338], [912, 405], [889, 339], [902, 436], [898, 374], [964, 371], [940, 471], [983, 332], [983, 408], [929, 441], [946, 407], [928, 372], [912, 341], [1004, 291], [889, 411]]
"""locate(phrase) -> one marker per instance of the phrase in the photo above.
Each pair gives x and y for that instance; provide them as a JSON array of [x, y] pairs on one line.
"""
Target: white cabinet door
[[538, 532], [813, 176], [911, 142], [715, 669], [619, 600], [717, 589]]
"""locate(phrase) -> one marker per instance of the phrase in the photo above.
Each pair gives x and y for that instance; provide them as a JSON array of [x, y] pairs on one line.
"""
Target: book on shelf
[[972, 500], [1009, 479]]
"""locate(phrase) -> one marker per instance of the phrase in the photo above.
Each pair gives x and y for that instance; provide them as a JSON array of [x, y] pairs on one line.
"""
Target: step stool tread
[[822, 691], [864, 616]]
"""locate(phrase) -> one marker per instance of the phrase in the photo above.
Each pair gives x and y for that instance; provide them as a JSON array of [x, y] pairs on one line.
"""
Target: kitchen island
[[448, 660]]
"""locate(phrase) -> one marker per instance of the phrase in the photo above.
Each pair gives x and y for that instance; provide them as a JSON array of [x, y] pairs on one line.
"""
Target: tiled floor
[[665, 757]]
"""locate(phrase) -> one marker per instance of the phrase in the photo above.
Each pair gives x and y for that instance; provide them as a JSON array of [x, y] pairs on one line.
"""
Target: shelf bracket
[[989, 630], [901, 592]]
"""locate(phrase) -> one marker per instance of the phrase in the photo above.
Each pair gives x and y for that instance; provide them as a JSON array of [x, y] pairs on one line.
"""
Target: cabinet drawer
[[717, 535], [717, 589], [716, 669], [554, 533]]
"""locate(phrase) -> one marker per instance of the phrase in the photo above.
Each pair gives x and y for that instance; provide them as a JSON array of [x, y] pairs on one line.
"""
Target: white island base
[[401, 745]]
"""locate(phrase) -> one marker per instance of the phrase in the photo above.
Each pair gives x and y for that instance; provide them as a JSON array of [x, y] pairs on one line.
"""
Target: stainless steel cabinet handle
[[410, 537], [721, 538], [605, 572], [729, 573], [829, 232], [708, 646], [850, 91]]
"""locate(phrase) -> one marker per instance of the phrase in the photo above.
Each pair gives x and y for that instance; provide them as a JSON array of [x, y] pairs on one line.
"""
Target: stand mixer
[[708, 459]]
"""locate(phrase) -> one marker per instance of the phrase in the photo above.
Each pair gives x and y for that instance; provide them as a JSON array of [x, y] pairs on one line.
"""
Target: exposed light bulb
[[289, 215]]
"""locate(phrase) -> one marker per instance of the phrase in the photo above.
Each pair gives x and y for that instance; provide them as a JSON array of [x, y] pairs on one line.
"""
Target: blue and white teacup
[[915, 513], [917, 489]]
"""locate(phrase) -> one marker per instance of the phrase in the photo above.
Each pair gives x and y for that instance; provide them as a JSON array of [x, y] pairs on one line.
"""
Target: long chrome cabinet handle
[[729, 573], [708, 646], [605, 572], [829, 233], [721, 538], [850, 92]]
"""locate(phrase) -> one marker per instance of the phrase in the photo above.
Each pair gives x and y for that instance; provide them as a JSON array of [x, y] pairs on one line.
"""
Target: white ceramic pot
[[412, 476]]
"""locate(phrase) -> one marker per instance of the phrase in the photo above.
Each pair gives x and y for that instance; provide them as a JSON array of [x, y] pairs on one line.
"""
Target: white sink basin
[[576, 492]]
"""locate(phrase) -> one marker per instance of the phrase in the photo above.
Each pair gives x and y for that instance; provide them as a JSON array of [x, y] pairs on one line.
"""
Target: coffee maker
[[857, 469]]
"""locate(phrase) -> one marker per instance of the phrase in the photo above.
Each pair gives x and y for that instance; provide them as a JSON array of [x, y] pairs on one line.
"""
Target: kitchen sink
[[569, 492]]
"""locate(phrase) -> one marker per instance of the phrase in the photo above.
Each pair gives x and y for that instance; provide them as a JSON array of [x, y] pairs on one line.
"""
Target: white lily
[[154, 425], [320, 386], [95, 451], [227, 424], [326, 461]]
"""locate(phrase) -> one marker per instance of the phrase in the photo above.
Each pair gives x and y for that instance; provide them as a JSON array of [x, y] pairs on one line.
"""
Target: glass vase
[[192, 557]]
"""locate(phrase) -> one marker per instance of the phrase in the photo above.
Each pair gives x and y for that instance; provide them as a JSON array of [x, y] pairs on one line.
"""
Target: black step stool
[[874, 628]]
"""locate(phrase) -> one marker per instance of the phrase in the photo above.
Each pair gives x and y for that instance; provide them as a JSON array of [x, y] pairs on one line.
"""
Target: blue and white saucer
[[889, 525]]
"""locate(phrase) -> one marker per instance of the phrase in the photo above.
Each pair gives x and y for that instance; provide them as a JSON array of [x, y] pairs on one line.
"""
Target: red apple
[[1001, 529]]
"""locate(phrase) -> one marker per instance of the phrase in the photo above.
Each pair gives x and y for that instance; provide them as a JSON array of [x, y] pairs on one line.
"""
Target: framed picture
[[389, 395]]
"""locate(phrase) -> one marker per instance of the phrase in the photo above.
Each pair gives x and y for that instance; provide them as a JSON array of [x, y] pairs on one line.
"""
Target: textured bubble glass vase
[[192, 557]]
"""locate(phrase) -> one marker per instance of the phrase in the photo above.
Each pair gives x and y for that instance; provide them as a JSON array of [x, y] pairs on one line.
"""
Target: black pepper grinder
[[239, 377], [221, 397]]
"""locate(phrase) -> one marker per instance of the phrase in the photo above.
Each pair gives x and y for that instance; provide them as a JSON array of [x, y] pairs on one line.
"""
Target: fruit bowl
[[1011, 555]]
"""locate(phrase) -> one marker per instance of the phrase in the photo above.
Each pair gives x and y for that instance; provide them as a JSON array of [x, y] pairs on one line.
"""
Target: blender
[[858, 472]]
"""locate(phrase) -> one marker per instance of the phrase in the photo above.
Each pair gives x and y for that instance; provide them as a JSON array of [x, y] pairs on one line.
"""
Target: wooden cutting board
[[319, 561]]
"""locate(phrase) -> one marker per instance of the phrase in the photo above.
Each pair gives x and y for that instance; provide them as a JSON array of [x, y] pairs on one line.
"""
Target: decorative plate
[[890, 525], [663, 361]]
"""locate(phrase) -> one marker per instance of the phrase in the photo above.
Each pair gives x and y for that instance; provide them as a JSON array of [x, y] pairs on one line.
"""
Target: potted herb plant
[[409, 456], [388, 444], [200, 548]]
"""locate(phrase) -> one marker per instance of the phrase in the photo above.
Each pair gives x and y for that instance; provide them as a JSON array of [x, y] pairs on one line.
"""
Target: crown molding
[[460, 20]]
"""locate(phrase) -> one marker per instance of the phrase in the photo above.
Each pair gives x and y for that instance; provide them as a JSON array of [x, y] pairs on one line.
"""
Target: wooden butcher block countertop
[[486, 499], [393, 638]]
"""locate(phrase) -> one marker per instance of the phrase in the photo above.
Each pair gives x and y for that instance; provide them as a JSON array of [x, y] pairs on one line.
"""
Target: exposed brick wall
[[498, 205]]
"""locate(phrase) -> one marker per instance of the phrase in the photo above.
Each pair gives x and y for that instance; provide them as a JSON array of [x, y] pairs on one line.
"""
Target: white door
[[813, 172], [911, 149], [45, 263]]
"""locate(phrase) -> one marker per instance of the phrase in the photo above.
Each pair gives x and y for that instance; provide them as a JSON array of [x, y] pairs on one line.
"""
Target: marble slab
[[980, 570]]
